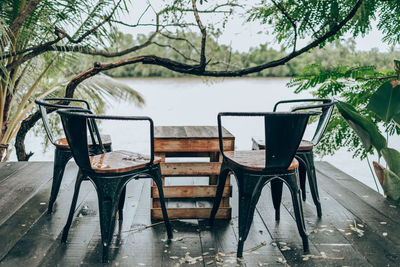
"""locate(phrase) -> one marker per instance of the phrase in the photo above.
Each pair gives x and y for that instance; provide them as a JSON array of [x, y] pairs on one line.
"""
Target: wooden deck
[[358, 227]]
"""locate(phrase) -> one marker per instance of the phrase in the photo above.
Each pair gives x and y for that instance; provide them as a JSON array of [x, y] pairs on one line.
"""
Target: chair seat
[[119, 161], [63, 143], [306, 145], [253, 160]]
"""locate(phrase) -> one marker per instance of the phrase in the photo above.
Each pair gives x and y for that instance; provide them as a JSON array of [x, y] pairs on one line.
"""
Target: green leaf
[[385, 102], [364, 128], [392, 185], [392, 158]]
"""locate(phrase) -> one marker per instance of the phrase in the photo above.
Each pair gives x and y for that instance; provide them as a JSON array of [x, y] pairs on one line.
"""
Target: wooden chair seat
[[63, 143], [253, 160], [119, 161], [306, 145]]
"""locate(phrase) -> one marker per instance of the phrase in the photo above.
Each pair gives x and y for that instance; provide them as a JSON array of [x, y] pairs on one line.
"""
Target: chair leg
[[78, 183], [109, 192], [249, 193], [218, 196], [121, 204], [298, 210], [156, 175], [61, 157], [312, 180], [302, 174], [276, 192]]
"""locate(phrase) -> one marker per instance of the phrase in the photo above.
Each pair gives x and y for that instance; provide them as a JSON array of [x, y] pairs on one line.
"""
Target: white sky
[[237, 34]]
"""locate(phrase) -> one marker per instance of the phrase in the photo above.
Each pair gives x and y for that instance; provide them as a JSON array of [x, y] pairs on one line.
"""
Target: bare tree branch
[[180, 39], [203, 36], [177, 51]]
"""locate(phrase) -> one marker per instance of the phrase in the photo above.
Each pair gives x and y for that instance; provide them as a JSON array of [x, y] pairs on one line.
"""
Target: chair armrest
[[323, 100], [93, 117], [60, 102]]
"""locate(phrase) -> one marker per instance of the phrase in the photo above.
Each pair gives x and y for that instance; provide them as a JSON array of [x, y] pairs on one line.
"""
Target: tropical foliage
[[370, 102], [26, 74]]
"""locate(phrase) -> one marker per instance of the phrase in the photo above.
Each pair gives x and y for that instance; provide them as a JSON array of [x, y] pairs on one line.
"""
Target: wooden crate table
[[191, 142]]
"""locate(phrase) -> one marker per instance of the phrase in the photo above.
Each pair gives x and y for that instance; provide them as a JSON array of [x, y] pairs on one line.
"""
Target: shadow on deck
[[358, 227]]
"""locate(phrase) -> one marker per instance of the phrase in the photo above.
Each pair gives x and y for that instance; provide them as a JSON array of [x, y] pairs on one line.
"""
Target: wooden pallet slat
[[191, 213], [190, 191], [190, 169]]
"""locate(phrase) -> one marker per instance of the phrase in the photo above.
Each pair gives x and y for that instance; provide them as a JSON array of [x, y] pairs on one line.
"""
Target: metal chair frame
[[283, 133], [306, 156], [109, 186], [61, 154]]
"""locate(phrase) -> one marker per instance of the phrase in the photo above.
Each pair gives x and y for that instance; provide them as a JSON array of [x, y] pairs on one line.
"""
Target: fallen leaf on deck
[[281, 260]]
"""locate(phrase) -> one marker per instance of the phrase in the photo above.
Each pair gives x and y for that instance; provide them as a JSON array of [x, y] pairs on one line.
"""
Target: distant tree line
[[340, 52]]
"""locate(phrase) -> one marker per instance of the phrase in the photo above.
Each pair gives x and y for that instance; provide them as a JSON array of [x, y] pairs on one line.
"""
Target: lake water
[[196, 102]]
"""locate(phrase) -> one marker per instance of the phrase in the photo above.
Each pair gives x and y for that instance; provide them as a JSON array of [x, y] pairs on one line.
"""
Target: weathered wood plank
[[190, 191], [190, 169], [9, 168], [331, 234], [378, 249], [21, 186], [191, 145], [191, 213], [42, 229], [375, 200], [84, 241], [180, 132]]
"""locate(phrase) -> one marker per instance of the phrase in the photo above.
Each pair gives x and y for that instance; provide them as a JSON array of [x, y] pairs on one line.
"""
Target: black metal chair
[[255, 168], [109, 171], [305, 150], [62, 152]]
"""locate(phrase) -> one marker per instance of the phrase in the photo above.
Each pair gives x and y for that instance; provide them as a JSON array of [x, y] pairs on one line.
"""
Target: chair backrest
[[76, 123], [326, 107], [75, 128], [48, 105], [283, 134]]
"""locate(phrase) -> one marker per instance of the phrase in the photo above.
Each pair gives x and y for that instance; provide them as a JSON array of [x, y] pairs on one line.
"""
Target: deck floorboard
[[31, 237]]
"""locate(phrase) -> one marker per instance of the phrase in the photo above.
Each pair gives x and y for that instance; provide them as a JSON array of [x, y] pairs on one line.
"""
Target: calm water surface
[[197, 102]]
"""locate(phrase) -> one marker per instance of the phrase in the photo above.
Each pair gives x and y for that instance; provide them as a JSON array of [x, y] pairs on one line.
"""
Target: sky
[[241, 36]]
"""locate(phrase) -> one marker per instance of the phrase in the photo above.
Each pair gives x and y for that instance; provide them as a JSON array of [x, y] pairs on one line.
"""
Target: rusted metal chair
[[255, 168], [109, 171], [305, 151], [62, 152]]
